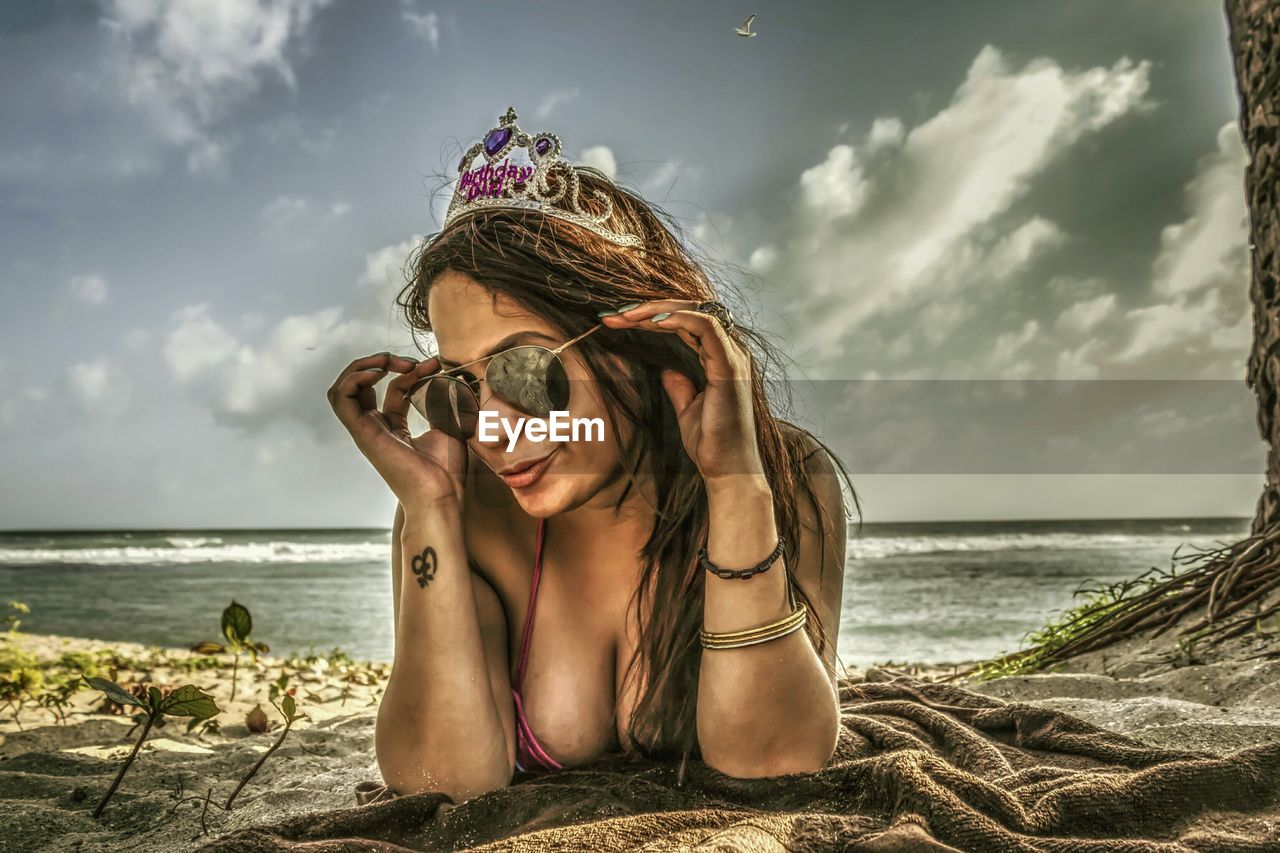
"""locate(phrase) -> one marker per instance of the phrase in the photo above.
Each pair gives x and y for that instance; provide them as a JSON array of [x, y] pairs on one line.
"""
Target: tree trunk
[[1255, 46]]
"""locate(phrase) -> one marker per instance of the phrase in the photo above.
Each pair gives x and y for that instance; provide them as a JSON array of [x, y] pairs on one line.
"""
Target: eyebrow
[[506, 343]]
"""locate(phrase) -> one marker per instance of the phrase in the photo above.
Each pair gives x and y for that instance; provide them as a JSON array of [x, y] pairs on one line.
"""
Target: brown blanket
[[920, 766]]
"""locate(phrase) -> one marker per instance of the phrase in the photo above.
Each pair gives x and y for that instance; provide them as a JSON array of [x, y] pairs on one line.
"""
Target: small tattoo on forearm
[[424, 566]]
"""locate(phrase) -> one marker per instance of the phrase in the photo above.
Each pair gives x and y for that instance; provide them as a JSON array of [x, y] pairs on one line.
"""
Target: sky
[[1003, 244]]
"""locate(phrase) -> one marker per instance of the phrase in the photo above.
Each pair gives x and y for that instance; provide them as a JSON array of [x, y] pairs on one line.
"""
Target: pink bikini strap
[[533, 605]]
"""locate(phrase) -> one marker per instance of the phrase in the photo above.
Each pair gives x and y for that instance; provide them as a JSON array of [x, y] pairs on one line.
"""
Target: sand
[[52, 774]]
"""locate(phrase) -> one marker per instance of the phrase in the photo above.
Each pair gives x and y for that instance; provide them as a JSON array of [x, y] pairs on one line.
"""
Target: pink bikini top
[[530, 756]]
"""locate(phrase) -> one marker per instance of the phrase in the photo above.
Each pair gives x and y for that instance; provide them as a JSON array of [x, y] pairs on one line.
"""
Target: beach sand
[[52, 774]]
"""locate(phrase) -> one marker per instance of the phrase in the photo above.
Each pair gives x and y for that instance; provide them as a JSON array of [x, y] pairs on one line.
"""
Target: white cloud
[[281, 372], [287, 210], [99, 386], [1081, 317], [554, 99], [136, 339], [197, 343], [1165, 325], [185, 64], [1208, 249], [206, 155], [284, 209], [1079, 363], [886, 132], [601, 157], [1003, 360], [1199, 320], [930, 218], [836, 187], [662, 179], [1015, 250], [89, 289], [90, 380], [425, 25], [763, 259]]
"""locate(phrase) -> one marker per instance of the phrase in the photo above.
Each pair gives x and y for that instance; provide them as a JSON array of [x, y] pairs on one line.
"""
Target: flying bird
[[745, 29]]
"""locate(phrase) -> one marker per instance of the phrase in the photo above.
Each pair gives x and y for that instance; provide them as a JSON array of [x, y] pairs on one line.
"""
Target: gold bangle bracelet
[[793, 621]]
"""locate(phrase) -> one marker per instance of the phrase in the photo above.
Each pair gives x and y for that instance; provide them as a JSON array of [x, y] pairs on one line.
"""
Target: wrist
[[425, 508], [738, 487]]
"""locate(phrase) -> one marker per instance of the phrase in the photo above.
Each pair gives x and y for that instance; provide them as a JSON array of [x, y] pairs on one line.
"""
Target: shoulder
[[811, 457]]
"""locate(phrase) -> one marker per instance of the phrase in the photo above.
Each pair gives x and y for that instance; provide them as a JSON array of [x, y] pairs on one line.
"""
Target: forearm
[[438, 726], [765, 709]]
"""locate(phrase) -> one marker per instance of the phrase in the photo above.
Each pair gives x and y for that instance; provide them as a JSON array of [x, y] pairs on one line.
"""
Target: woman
[[684, 567]]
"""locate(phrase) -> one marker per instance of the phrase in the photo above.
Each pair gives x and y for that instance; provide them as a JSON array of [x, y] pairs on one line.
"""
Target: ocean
[[913, 592]]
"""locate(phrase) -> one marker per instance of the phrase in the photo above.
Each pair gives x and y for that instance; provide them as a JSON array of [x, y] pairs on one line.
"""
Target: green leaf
[[153, 699], [289, 706], [236, 623], [208, 648], [189, 701], [114, 692]]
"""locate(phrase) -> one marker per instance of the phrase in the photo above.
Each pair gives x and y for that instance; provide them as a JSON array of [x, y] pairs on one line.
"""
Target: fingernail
[[658, 318], [410, 358], [608, 312], [622, 309]]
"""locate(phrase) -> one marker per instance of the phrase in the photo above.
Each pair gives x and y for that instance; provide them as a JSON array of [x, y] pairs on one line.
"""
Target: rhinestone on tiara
[[547, 184]]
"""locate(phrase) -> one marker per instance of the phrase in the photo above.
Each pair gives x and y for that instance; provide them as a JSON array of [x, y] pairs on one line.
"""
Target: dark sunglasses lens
[[519, 376], [557, 385], [448, 405]]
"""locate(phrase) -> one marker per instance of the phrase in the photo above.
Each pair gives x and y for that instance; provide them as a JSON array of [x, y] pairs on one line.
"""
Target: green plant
[[280, 687], [82, 663], [21, 684], [1050, 644], [13, 619], [185, 701], [237, 624], [210, 726], [57, 697], [288, 709]]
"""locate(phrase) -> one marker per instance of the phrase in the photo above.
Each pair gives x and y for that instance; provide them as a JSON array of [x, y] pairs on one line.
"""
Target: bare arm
[[772, 708], [446, 720]]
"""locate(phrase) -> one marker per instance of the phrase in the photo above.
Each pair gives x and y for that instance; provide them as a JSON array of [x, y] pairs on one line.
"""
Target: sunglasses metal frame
[[448, 374]]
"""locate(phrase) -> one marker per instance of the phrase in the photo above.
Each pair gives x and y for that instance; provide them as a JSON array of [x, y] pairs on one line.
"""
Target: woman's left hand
[[717, 425]]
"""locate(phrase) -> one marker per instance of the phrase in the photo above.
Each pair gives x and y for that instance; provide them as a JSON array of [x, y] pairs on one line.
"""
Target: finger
[[713, 343], [353, 394], [645, 310], [395, 402], [662, 328], [680, 389], [390, 361]]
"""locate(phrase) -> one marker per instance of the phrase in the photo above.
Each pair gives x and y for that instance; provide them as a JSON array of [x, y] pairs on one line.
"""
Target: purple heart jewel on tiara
[[497, 140]]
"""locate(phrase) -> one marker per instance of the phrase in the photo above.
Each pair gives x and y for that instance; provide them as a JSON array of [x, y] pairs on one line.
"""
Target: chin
[[545, 498]]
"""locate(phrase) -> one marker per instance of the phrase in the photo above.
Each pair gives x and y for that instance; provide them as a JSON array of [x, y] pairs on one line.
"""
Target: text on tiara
[[488, 181]]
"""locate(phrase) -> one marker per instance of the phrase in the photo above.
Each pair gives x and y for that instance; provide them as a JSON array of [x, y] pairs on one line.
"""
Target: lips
[[520, 475]]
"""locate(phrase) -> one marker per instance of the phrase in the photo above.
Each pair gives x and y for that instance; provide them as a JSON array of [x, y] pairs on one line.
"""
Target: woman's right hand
[[422, 470]]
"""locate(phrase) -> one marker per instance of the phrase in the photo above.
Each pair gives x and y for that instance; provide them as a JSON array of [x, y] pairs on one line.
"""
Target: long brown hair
[[566, 274]]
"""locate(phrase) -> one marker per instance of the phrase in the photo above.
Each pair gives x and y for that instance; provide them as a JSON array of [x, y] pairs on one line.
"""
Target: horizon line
[[330, 529]]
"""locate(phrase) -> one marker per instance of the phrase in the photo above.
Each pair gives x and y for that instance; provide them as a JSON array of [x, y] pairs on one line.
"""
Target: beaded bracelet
[[793, 621], [740, 573]]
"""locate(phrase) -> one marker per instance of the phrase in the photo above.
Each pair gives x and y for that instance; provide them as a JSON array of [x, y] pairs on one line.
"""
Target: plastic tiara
[[547, 184]]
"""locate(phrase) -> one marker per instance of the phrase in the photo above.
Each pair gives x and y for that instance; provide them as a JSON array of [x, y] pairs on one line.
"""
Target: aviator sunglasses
[[529, 377]]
